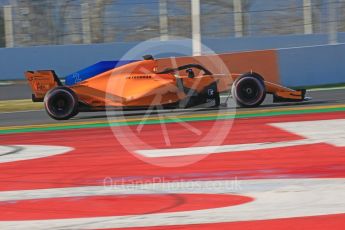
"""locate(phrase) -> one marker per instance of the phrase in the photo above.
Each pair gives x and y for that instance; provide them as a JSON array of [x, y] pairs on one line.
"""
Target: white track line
[[6, 83], [274, 199], [325, 89], [322, 131], [12, 153], [173, 152]]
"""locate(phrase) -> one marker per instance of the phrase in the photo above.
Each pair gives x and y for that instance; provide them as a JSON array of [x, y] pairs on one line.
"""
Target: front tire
[[249, 90], [61, 103]]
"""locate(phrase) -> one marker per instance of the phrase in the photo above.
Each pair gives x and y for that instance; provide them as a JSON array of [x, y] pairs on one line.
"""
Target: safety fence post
[[86, 23], [307, 17], [196, 34], [238, 18], [8, 21], [163, 20]]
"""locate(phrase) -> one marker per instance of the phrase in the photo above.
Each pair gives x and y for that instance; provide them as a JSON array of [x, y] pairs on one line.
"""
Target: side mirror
[[190, 73], [148, 57]]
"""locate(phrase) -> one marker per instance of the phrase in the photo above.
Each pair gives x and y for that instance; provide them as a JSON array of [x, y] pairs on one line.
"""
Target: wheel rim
[[249, 91], [60, 104]]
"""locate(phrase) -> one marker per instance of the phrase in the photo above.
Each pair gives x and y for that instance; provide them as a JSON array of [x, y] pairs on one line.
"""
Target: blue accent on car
[[94, 70]]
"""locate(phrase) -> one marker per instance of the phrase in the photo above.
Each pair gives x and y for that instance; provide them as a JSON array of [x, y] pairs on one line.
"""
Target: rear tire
[[61, 103], [249, 90]]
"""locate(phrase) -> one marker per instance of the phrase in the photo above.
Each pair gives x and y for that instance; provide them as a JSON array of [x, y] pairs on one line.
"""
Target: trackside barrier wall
[[303, 66], [67, 59], [312, 66], [260, 43], [292, 67]]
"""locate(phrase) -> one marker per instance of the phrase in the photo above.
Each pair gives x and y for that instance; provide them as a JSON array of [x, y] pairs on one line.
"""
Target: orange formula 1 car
[[138, 84]]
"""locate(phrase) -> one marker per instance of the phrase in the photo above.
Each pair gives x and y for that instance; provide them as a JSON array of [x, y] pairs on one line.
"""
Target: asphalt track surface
[[15, 91], [282, 171], [319, 98]]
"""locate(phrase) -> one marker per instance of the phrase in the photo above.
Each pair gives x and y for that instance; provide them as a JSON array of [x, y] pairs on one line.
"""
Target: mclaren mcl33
[[138, 85]]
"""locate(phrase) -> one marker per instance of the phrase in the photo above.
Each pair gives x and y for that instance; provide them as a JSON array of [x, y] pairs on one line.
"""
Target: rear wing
[[41, 81]]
